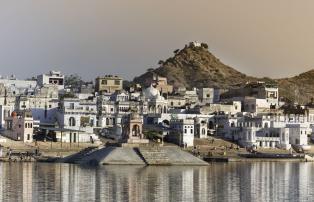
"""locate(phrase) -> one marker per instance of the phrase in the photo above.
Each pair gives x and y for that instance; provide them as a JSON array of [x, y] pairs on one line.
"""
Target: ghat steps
[[154, 155], [142, 155]]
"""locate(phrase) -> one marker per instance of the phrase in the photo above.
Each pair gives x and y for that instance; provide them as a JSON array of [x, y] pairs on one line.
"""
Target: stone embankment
[[143, 155]]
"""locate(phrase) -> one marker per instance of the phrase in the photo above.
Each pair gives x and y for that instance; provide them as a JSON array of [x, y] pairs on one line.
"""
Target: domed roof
[[151, 92], [13, 114]]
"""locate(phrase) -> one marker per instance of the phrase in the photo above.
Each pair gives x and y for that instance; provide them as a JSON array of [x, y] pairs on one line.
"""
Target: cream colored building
[[108, 84]]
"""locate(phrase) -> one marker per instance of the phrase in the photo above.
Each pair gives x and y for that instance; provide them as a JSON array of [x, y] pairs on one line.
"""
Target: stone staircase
[[76, 158], [153, 155]]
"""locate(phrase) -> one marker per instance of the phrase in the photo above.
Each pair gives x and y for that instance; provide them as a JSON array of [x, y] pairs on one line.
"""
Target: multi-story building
[[258, 90], [11, 86], [266, 131], [52, 78], [20, 126], [201, 128], [182, 132], [43, 103], [208, 95], [80, 116], [108, 84], [176, 101]]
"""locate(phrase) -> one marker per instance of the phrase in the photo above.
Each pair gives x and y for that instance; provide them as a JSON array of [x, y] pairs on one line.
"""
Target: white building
[[208, 95], [11, 87], [78, 115], [157, 104], [201, 128], [182, 132], [5, 111], [233, 107], [52, 78], [268, 131], [43, 103]]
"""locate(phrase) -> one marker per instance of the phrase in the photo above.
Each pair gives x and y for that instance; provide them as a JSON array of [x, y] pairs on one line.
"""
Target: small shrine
[[133, 129]]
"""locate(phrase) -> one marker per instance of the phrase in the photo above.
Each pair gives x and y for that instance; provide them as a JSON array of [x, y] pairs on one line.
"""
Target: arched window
[[71, 121], [203, 131]]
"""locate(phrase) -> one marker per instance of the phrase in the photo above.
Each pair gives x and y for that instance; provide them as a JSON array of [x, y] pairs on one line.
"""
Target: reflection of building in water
[[273, 181], [303, 181], [258, 173], [187, 185], [270, 180], [27, 181], [64, 181], [112, 183], [286, 174], [2, 178], [201, 184], [74, 184], [157, 186]]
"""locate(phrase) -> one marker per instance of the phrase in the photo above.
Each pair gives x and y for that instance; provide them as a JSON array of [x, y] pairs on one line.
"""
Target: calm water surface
[[217, 182]]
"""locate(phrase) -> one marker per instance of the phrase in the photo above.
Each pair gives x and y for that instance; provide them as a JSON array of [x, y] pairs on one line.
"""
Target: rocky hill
[[195, 66], [298, 88]]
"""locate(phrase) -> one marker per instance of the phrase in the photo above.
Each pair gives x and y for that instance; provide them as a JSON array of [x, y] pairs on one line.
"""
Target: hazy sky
[[93, 37]]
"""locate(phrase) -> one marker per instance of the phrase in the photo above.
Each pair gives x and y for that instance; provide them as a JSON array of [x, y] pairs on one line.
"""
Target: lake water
[[273, 181]]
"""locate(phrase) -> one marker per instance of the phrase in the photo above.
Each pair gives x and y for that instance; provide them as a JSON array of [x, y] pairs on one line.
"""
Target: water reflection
[[217, 182]]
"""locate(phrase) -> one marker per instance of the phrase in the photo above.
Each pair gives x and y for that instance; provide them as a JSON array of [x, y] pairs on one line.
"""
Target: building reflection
[[216, 182]]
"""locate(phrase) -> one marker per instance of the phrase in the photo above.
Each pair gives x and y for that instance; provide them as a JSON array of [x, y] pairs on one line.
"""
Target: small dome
[[13, 114], [151, 92]]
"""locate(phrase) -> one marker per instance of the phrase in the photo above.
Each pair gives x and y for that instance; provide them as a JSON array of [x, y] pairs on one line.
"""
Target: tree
[[160, 62], [176, 51], [73, 81], [204, 45]]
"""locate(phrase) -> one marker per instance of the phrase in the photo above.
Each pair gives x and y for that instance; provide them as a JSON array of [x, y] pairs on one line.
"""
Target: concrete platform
[[137, 156], [113, 156]]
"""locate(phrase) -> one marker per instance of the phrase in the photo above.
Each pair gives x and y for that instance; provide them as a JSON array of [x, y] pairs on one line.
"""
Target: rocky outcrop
[[195, 66]]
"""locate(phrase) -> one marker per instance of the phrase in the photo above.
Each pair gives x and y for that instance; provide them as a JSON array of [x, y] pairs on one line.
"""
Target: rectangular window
[[117, 82], [104, 82]]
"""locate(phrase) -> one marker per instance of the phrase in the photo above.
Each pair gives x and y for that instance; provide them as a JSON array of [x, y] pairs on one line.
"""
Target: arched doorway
[[211, 125], [159, 109], [166, 122], [136, 130]]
